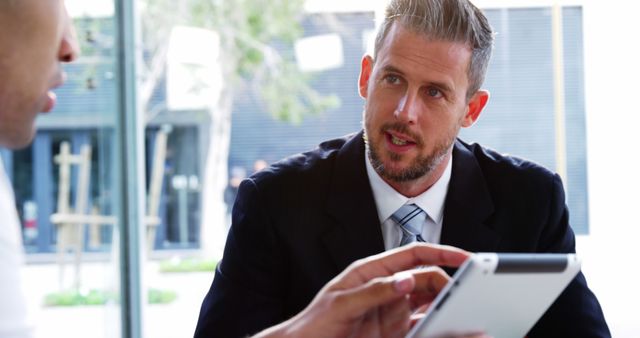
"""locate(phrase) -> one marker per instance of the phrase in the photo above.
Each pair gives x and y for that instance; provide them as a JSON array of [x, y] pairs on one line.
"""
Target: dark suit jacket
[[299, 223]]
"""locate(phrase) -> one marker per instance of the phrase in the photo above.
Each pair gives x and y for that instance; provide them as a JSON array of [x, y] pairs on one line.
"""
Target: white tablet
[[502, 295]]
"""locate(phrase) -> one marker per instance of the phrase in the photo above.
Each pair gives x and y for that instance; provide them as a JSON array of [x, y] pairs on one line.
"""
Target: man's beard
[[419, 167]]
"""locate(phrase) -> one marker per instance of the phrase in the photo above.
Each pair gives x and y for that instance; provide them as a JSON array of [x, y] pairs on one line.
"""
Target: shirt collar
[[388, 200]]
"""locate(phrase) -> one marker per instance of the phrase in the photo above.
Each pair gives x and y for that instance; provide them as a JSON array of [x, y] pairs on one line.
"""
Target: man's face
[[415, 105], [36, 36]]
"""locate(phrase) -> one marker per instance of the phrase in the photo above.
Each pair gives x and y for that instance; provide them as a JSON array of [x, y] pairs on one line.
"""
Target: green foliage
[[157, 296], [100, 297], [96, 52], [287, 107], [188, 265], [76, 297], [249, 31]]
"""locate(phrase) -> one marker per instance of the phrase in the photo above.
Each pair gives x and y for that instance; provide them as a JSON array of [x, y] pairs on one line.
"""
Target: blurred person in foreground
[[35, 38], [405, 177]]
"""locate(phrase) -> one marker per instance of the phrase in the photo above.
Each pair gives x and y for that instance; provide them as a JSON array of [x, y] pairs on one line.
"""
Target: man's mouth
[[50, 102], [52, 98], [398, 141]]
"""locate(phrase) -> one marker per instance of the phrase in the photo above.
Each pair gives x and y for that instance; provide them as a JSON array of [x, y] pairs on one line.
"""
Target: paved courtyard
[[173, 320]]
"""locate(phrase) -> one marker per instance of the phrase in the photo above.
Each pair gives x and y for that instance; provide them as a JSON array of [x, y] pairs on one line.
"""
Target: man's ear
[[474, 107], [365, 73]]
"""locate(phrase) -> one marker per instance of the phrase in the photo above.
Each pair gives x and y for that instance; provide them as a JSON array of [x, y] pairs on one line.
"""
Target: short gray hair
[[444, 20]]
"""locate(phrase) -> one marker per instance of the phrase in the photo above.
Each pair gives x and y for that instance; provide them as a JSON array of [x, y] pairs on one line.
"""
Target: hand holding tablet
[[502, 295]]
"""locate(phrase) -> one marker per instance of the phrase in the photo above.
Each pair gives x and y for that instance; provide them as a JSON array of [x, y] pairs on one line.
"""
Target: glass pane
[[66, 193], [224, 92], [212, 119], [516, 120], [178, 95]]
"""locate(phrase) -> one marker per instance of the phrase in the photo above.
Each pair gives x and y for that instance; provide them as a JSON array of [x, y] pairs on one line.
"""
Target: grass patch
[[188, 265], [157, 296], [76, 297], [101, 297]]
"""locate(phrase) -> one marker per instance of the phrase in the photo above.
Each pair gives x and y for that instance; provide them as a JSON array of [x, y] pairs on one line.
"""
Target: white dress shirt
[[14, 321], [388, 200]]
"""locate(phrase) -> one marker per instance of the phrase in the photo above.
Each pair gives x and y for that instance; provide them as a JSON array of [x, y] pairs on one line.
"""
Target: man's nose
[[407, 109], [69, 47]]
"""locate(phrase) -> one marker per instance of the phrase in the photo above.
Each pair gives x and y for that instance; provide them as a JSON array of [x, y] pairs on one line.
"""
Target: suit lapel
[[356, 232], [468, 205]]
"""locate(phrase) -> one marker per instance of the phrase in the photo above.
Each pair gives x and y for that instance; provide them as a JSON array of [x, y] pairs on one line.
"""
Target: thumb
[[357, 301]]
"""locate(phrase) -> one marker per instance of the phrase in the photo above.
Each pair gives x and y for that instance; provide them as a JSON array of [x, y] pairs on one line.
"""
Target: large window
[[522, 117]]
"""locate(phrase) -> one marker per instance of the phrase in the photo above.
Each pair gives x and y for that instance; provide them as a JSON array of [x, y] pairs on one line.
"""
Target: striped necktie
[[410, 219]]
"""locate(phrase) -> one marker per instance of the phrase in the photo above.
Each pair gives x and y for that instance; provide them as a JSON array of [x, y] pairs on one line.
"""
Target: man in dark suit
[[300, 222]]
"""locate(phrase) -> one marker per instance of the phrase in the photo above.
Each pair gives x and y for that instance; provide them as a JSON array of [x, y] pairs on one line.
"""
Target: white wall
[[612, 73]]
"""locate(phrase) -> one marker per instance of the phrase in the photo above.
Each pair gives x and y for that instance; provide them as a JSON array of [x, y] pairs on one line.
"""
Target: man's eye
[[434, 92], [392, 79]]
